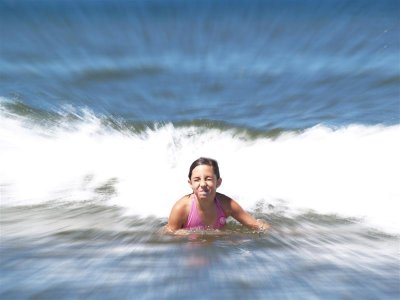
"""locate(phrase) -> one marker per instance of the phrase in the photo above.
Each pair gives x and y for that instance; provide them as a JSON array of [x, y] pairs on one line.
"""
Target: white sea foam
[[352, 171]]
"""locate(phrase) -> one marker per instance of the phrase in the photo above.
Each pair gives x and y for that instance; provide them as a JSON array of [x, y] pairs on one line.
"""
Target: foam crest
[[350, 171]]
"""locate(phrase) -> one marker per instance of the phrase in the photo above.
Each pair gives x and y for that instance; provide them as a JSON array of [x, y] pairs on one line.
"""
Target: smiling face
[[204, 182]]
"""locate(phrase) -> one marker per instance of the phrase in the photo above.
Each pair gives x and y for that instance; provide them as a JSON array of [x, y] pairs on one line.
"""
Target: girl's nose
[[202, 183]]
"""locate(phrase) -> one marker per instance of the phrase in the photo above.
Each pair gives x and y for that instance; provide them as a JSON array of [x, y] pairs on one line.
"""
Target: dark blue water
[[259, 64], [104, 104]]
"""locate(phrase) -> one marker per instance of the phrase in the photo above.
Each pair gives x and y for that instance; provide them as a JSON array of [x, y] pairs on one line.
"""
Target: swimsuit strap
[[193, 219], [221, 218], [220, 210]]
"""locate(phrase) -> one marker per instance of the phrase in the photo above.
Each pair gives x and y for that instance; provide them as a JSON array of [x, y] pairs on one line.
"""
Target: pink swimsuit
[[194, 221]]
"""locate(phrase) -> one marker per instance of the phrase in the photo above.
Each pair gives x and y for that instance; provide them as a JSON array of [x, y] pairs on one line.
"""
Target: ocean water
[[105, 104]]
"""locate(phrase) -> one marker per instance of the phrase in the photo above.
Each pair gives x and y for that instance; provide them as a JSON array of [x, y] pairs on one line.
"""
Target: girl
[[205, 208]]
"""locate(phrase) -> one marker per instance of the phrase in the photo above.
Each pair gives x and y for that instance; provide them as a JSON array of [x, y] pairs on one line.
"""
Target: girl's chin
[[203, 195]]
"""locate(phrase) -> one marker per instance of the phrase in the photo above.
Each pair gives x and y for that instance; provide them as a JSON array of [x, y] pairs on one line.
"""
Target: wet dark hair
[[205, 161]]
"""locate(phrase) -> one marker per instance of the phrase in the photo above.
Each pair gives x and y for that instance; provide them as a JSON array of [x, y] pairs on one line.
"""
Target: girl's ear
[[190, 184], [219, 181]]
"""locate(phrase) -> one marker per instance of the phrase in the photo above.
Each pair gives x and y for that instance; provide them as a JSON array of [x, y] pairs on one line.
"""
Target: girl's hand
[[262, 226]]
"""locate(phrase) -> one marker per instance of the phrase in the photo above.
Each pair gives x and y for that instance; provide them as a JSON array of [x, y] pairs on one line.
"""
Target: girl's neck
[[205, 204]]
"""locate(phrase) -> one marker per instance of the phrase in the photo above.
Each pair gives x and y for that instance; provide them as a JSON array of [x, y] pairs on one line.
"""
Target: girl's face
[[204, 182]]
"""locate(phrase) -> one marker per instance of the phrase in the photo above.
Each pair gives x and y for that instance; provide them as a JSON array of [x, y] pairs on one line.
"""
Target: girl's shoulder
[[179, 213], [226, 203], [183, 204]]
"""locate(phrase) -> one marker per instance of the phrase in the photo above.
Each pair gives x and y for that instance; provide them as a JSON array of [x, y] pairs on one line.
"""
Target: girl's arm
[[245, 218], [178, 215]]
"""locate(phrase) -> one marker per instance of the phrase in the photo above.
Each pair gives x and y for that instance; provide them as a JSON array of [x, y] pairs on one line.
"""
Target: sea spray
[[351, 171]]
